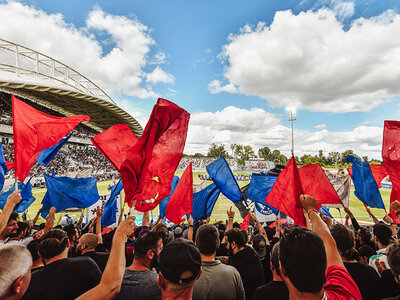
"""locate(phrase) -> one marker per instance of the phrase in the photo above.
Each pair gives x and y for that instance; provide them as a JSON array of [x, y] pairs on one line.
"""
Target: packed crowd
[[325, 260], [202, 162], [69, 160]]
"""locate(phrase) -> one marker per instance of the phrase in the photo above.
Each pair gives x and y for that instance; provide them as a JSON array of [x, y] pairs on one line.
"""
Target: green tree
[[198, 155], [333, 158], [217, 151], [365, 158], [265, 153], [242, 153], [345, 154]]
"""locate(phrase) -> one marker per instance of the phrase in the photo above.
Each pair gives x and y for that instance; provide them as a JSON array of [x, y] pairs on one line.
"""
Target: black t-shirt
[[100, 258], [388, 285], [275, 290], [66, 278], [366, 278]]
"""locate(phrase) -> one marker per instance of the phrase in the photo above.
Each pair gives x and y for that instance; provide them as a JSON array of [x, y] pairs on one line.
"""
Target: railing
[[21, 60]]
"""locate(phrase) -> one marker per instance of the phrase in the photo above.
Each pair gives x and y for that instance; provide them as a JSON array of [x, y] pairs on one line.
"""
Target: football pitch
[[223, 204]]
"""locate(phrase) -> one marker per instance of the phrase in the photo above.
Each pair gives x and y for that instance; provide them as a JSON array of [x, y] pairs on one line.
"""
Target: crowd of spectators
[[202, 162], [223, 260]]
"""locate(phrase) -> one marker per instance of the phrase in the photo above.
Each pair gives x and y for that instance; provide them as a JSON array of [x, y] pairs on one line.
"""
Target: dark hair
[[70, 230], [107, 239], [302, 255], [221, 235], [13, 217], [235, 235], [344, 241], [162, 230], [21, 227], [137, 231], [393, 258], [207, 239], [366, 251], [236, 225], [221, 227], [53, 243], [364, 234], [33, 249], [275, 258], [383, 233], [145, 243]]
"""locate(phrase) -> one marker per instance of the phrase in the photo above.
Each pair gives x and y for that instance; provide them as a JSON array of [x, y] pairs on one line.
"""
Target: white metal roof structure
[[38, 77]]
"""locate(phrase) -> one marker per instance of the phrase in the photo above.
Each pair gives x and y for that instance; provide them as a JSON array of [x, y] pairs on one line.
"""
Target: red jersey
[[340, 285]]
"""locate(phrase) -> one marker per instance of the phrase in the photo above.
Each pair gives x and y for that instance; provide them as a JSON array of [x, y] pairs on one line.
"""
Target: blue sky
[[236, 66]]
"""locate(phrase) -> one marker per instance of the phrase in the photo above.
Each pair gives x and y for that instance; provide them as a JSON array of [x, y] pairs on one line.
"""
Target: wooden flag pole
[[16, 184]]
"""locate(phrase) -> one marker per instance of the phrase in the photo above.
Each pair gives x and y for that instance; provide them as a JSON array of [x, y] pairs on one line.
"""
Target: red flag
[[10, 165], [285, 194], [34, 131], [315, 183], [378, 171], [149, 167], [391, 159], [246, 221], [115, 142], [181, 200]]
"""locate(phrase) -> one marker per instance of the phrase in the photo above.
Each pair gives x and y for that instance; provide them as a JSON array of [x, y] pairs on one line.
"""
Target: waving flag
[[341, 184], [265, 213], [285, 194], [164, 202], [3, 167], [34, 131], [109, 216], [65, 192], [315, 183], [365, 185], [45, 156], [148, 169], [181, 200], [325, 211], [391, 159], [260, 186], [114, 143], [378, 171], [223, 178], [204, 201], [246, 221], [26, 195]]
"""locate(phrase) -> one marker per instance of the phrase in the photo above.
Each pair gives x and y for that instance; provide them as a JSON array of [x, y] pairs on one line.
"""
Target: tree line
[[245, 152]]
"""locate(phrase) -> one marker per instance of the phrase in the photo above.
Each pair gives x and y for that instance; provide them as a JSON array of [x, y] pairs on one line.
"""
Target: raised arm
[[354, 222], [190, 231], [231, 215], [36, 217], [111, 281], [146, 219], [12, 200], [99, 213], [319, 227], [371, 214], [50, 220], [392, 226], [261, 229]]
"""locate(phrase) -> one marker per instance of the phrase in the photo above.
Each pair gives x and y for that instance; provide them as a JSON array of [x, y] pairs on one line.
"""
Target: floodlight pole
[[292, 117]]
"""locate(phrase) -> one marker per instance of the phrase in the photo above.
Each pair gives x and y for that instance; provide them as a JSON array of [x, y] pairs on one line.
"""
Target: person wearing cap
[[245, 260], [180, 266], [382, 238], [263, 249], [217, 281]]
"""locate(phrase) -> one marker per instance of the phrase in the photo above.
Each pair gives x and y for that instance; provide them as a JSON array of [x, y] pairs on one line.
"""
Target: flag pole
[[16, 183]]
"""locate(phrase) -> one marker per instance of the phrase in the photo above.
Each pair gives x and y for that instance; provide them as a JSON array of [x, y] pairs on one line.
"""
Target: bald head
[[89, 240]]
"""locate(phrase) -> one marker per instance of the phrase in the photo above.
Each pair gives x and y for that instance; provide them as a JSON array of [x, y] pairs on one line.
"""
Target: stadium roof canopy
[[38, 77]]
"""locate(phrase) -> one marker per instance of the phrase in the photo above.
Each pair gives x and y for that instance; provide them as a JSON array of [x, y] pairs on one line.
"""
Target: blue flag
[[203, 202], [26, 195], [65, 192], [325, 211], [164, 202], [365, 185], [223, 177], [110, 209], [46, 155], [3, 167], [260, 186]]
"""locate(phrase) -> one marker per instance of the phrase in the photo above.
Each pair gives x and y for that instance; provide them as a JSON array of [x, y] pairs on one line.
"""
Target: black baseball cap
[[177, 257], [260, 245]]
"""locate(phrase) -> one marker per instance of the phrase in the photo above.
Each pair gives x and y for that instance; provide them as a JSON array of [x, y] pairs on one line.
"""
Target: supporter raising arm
[[111, 280], [371, 214], [12, 201]]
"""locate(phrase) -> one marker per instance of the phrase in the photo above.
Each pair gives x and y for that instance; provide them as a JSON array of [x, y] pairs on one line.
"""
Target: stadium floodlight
[[291, 119]]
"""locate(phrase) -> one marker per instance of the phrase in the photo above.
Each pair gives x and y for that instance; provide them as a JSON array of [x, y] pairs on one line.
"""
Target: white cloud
[[258, 128], [342, 9], [120, 70], [310, 62], [159, 75], [321, 126]]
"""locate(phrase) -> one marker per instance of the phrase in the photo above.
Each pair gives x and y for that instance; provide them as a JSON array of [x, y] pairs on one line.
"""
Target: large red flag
[[115, 142], [34, 131], [315, 183], [149, 167], [181, 201], [378, 171], [285, 194], [391, 159]]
